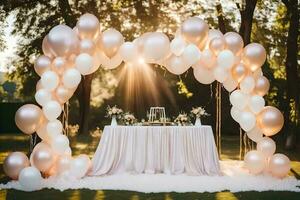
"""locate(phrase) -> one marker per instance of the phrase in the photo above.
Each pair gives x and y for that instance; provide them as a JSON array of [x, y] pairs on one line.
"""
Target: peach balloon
[[28, 118], [194, 30], [216, 45], [42, 64], [254, 56], [38, 85], [14, 163], [255, 162], [88, 26], [234, 42], [110, 42], [58, 65], [267, 146], [262, 86], [279, 165], [270, 120], [46, 47], [239, 72], [42, 158], [208, 59]]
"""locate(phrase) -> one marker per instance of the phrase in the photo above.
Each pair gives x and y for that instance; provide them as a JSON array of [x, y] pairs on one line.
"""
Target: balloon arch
[[70, 53]]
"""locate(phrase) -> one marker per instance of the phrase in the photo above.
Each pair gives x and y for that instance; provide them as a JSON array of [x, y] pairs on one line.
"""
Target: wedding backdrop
[[184, 151]]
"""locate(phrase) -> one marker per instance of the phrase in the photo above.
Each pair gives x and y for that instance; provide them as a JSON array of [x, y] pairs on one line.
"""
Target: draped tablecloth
[[156, 149]]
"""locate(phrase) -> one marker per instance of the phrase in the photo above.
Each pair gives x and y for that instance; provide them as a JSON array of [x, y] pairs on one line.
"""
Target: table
[[156, 149]]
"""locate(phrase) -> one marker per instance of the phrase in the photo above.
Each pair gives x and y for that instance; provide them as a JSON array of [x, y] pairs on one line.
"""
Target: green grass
[[87, 145]]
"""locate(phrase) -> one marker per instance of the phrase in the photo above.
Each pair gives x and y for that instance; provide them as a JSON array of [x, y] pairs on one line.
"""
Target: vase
[[198, 121], [114, 121]]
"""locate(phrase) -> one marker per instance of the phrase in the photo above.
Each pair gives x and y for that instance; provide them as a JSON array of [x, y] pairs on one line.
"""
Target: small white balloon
[[230, 83], [191, 54], [128, 51], [79, 166], [52, 110], [30, 179], [256, 103], [203, 75], [42, 96], [54, 127], [238, 99], [110, 63], [247, 120], [49, 80], [60, 144], [84, 63], [177, 46], [71, 78], [235, 113], [247, 84], [267, 146], [221, 74], [226, 59], [176, 65], [255, 134]]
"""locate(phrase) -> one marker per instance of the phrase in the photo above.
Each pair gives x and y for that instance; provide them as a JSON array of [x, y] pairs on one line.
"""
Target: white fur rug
[[235, 179]]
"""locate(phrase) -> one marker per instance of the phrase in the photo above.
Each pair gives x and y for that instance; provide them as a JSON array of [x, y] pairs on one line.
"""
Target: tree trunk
[[291, 69]]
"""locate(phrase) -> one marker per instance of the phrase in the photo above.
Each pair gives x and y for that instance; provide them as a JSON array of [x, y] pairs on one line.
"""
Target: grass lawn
[[87, 145]]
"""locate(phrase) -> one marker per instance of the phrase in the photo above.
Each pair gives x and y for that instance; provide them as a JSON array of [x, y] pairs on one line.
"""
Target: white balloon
[[79, 166], [128, 51], [84, 63], [255, 134], [54, 127], [221, 74], [226, 59], [235, 113], [230, 84], [52, 110], [208, 59], [267, 146], [203, 75], [110, 63], [191, 54], [256, 103], [30, 179], [176, 65], [156, 46], [238, 99], [177, 46], [42, 96], [247, 84], [49, 80], [247, 120], [60, 144], [71, 78]]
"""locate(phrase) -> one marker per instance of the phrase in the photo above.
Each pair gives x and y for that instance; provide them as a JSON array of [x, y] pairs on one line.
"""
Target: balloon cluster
[[70, 54]]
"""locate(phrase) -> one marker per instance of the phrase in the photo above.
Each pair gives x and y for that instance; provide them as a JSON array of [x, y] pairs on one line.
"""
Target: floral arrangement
[[198, 112], [182, 119], [114, 111], [129, 118]]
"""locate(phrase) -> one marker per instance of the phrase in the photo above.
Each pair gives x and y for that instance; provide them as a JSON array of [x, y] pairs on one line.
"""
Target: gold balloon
[[110, 42], [234, 42], [279, 165], [28, 118], [42, 157], [262, 86], [58, 65], [88, 26], [239, 72], [217, 44], [270, 120], [254, 56], [42, 64], [14, 163], [194, 30]]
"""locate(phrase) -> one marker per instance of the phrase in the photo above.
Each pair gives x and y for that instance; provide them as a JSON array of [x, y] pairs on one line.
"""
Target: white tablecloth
[[156, 149]]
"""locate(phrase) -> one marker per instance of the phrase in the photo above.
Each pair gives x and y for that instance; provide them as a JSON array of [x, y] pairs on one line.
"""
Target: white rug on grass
[[235, 179]]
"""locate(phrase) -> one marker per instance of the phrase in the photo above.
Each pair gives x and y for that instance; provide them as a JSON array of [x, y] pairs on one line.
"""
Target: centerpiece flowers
[[129, 119], [114, 113], [182, 119], [198, 112]]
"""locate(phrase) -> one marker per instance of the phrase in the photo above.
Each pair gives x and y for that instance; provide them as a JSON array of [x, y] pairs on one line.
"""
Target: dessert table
[[156, 149]]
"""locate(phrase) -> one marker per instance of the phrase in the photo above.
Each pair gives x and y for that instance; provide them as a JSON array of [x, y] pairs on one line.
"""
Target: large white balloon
[[52, 110], [84, 63], [221, 74], [256, 103], [79, 166], [239, 99], [191, 54], [247, 84], [235, 113], [247, 120], [255, 134], [203, 75], [156, 46], [71, 78], [267, 146], [30, 179], [230, 84], [49, 80], [42, 96], [110, 63], [226, 59], [60, 144], [177, 46], [176, 65], [54, 127], [128, 51]]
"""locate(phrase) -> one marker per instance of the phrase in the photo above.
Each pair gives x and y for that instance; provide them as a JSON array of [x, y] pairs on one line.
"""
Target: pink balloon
[[42, 157], [14, 163], [279, 165], [254, 56], [255, 162]]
